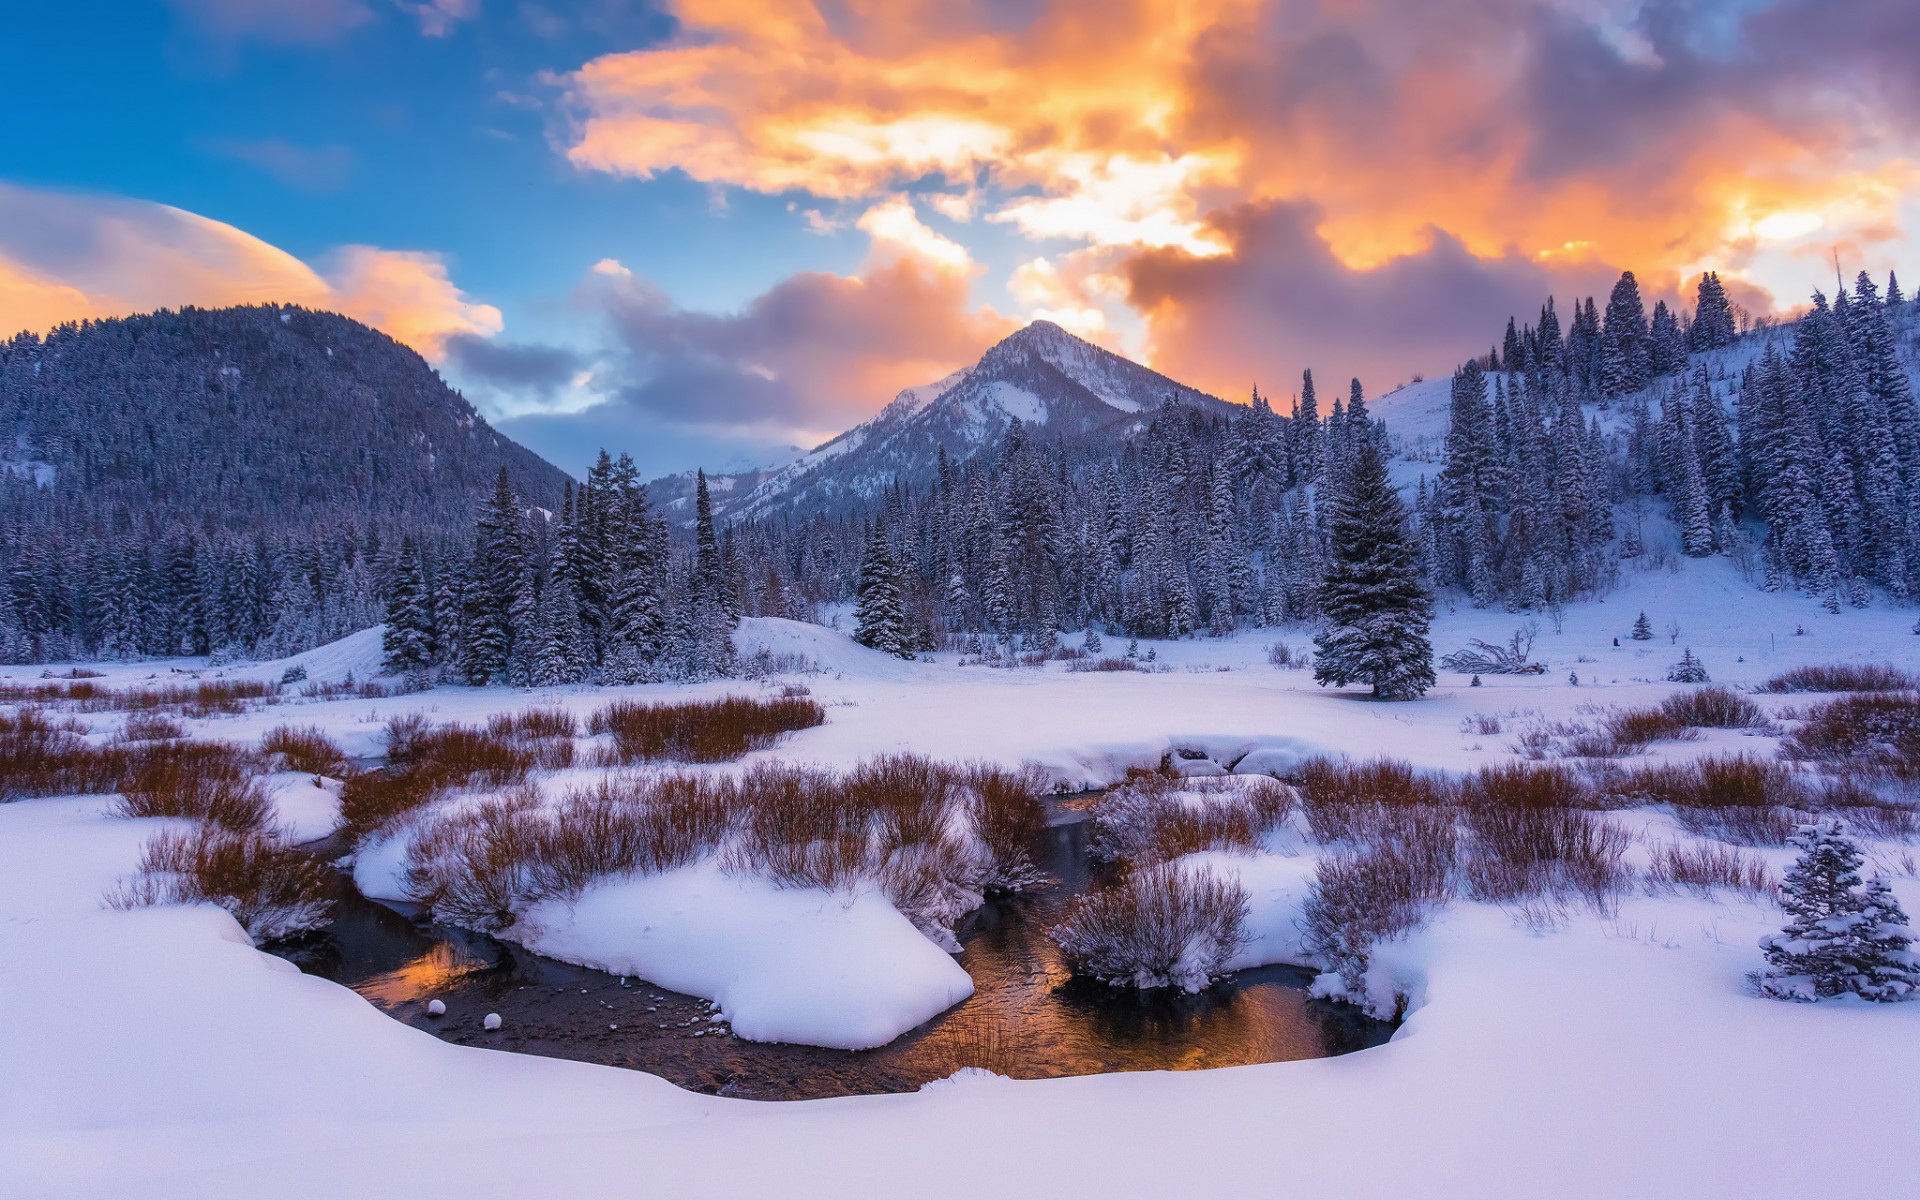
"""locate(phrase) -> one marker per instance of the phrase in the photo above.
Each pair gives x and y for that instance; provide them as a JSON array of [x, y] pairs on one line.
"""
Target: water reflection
[[1028, 1017]]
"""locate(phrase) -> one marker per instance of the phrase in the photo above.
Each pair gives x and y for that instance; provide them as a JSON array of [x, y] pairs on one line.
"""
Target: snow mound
[[305, 806], [819, 968], [827, 649]]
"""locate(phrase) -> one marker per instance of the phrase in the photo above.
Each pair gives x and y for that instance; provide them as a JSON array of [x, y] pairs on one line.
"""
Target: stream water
[[1027, 1017]]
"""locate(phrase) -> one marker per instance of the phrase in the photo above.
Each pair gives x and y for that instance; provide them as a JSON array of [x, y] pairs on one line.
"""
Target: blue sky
[[698, 231]]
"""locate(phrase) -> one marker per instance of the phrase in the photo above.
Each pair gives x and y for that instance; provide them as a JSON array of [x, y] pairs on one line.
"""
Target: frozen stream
[[1026, 1017]]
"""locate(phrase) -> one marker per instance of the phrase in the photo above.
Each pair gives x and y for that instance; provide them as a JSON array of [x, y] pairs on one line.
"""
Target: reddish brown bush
[[1736, 798], [700, 730], [1875, 733], [1713, 708], [474, 866], [151, 727], [534, 723], [1359, 900], [1009, 817], [305, 749], [204, 781], [1517, 852], [1633, 729], [1842, 677], [40, 758], [1527, 785], [272, 890]]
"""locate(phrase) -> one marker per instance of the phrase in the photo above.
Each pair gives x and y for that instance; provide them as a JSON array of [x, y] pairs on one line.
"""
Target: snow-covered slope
[[1043, 376]]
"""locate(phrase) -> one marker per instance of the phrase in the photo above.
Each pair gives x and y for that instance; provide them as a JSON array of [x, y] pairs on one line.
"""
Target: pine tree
[[1888, 962], [560, 653], [407, 642], [1376, 606], [1624, 359], [1822, 951], [1688, 670], [879, 610], [1712, 326], [1642, 628]]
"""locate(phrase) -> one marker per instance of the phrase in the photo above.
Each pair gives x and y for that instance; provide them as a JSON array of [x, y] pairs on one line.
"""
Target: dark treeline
[[227, 483]]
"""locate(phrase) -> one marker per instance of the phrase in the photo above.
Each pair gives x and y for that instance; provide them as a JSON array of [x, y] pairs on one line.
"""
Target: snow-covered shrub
[[1352, 802], [1632, 729], [1287, 658], [1842, 677], [1841, 936], [621, 826], [1701, 869], [1688, 670], [272, 890], [1713, 708], [307, 749], [474, 866], [293, 674], [1154, 817], [1165, 926], [1358, 900]]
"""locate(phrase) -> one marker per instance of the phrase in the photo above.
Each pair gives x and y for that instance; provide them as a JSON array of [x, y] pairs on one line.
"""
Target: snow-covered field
[[1561, 1053]]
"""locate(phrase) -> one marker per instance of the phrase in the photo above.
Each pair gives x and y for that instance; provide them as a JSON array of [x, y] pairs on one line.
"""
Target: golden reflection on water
[[438, 969]]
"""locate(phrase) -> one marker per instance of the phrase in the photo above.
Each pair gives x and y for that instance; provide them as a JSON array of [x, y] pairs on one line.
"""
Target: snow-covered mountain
[[1058, 385]]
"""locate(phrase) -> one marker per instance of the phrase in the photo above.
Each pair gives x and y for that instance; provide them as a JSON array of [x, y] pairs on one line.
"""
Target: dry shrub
[[151, 727], [306, 749], [620, 827], [1160, 927], [204, 781], [1882, 819], [1737, 798], [40, 758], [1632, 729], [1009, 818], [1359, 900], [1105, 665], [909, 798], [1842, 677], [371, 800], [474, 866], [1517, 852], [1527, 785], [1154, 818], [272, 890], [469, 755], [1713, 707], [1483, 724], [534, 724], [1348, 802], [1700, 869], [1874, 732], [701, 730]]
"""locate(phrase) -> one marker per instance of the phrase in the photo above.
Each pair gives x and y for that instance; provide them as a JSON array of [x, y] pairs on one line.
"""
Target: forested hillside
[[225, 480]]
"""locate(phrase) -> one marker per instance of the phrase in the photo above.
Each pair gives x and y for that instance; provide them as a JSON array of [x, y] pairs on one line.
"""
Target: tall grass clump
[[700, 731], [272, 890], [1161, 927], [1842, 677], [306, 749]]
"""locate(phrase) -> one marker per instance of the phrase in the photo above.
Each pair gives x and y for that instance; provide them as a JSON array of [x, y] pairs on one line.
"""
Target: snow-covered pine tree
[[1642, 628], [407, 643], [1623, 357], [879, 610], [1888, 962], [1821, 951], [1376, 606], [1688, 670], [560, 654]]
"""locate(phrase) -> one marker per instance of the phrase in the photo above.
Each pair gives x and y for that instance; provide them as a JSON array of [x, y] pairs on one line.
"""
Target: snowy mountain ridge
[[1057, 384]]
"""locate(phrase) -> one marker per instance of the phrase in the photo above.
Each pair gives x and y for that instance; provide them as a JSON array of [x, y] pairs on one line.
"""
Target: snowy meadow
[[1557, 889]]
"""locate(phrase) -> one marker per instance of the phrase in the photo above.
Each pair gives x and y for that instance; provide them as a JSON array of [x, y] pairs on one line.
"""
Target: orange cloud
[[1653, 136], [67, 257]]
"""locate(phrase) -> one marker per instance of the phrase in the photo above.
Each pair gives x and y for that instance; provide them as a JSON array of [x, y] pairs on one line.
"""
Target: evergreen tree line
[[597, 591]]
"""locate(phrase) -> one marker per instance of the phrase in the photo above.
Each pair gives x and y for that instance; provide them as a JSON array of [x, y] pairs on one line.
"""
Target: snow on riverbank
[[784, 964]]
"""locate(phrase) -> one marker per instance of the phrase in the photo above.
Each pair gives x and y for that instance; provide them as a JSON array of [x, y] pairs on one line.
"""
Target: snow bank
[[784, 964], [829, 650], [1276, 887], [306, 806]]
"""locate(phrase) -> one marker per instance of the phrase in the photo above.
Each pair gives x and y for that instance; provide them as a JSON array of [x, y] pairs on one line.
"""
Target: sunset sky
[[696, 230]]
